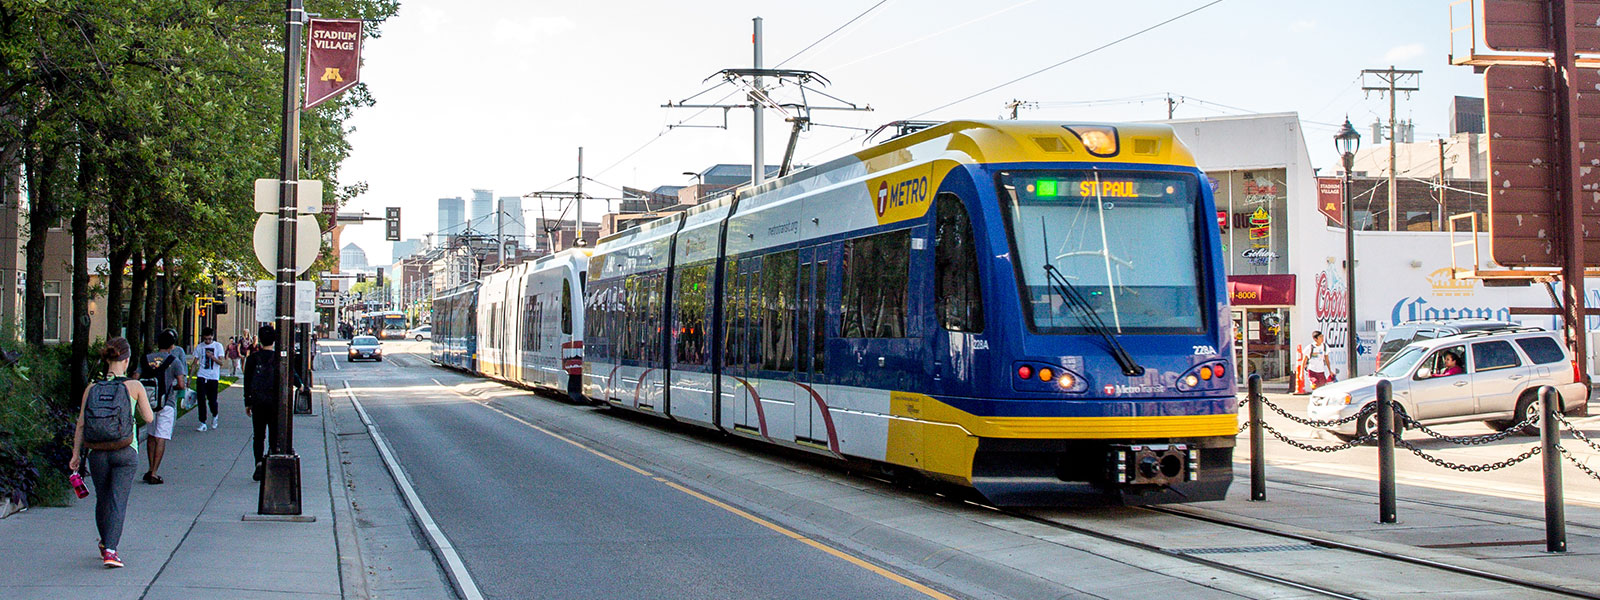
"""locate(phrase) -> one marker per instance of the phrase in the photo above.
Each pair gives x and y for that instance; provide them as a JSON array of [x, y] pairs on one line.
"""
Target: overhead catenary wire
[[1075, 57], [831, 33]]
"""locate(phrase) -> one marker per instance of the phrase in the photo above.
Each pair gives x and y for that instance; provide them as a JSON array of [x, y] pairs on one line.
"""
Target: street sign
[[305, 301], [307, 195], [307, 242], [1523, 154], [1524, 25]]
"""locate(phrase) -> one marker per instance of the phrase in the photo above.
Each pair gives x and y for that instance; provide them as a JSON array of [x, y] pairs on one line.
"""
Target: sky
[[500, 94]]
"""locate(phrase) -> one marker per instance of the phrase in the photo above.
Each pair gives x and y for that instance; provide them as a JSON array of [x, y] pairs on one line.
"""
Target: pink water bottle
[[77, 485]]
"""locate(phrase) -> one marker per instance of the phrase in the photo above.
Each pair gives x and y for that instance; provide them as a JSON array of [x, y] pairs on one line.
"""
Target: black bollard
[[1258, 460], [1555, 518], [1386, 509]]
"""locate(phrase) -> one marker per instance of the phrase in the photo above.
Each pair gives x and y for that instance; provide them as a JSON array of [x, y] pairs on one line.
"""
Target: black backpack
[[263, 379], [108, 416]]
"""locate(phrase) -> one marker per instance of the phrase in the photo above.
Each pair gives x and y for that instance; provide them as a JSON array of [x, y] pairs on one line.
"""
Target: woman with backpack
[[106, 427]]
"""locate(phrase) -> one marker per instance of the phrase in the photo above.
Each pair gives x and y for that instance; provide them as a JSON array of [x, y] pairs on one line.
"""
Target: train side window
[[566, 307], [819, 347], [957, 297], [755, 317], [875, 285], [778, 299]]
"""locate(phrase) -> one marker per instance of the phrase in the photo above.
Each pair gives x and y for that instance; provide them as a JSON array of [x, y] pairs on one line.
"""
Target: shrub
[[36, 422]]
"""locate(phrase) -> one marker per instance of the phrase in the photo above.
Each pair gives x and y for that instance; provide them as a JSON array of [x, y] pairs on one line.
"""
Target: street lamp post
[[1347, 141]]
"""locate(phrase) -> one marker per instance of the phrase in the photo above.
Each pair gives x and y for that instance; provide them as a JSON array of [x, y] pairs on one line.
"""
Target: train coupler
[[1154, 464]]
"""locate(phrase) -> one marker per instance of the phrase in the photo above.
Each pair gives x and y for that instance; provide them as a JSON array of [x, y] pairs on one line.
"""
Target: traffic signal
[[391, 223], [361, 277], [220, 306], [205, 310], [380, 277]]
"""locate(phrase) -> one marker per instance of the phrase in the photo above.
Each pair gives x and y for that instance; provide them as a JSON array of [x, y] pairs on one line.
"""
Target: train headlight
[[1191, 381], [1046, 374], [1066, 381], [1099, 140]]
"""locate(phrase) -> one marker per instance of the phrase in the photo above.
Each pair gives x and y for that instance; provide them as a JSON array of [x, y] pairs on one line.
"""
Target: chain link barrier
[[1481, 468], [1579, 464], [1466, 440], [1578, 433], [1309, 422], [1314, 448]]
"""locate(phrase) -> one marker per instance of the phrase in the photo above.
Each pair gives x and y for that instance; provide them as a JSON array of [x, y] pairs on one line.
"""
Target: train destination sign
[[1104, 188]]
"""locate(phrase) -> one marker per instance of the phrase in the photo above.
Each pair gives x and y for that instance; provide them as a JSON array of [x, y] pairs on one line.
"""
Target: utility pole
[[280, 484], [1172, 106], [1442, 216], [758, 170], [1392, 80], [577, 228]]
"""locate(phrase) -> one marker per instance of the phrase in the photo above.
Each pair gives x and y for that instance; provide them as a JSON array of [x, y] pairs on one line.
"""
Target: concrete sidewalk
[[186, 538]]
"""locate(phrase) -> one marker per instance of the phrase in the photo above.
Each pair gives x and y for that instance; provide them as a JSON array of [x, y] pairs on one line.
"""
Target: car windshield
[[365, 340], [1127, 241], [1401, 364]]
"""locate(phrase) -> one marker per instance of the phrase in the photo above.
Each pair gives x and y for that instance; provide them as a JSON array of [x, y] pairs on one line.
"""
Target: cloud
[[1403, 53], [1302, 26], [525, 33]]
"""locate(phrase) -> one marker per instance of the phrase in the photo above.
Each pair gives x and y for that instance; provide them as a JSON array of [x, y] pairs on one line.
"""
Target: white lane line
[[334, 360], [458, 569]]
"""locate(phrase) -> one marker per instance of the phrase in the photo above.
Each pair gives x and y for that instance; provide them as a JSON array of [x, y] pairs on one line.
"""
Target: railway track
[[1294, 560]]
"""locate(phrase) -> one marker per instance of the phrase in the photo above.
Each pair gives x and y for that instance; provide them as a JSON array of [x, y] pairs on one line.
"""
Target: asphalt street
[[534, 515]]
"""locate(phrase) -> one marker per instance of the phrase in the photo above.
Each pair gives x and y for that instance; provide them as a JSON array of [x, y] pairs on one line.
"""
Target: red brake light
[[1217, 370], [1024, 371]]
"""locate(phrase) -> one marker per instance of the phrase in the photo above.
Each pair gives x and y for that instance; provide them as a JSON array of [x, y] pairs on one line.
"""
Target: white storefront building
[[1285, 260]]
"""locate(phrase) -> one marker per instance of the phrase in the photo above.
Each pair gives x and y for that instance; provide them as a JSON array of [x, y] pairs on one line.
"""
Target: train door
[[811, 421], [780, 397], [746, 346]]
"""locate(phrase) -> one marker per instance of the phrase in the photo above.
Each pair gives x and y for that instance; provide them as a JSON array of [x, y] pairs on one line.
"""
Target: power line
[[1084, 54], [830, 33]]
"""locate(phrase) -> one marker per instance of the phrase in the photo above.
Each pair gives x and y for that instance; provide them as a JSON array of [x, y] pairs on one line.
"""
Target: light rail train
[[1033, 310]]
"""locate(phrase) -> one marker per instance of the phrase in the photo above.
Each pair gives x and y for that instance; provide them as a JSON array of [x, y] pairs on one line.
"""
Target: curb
[[352, 568]]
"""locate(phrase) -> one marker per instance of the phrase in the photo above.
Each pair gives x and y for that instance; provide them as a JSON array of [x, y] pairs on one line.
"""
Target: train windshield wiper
[[1091, 320]]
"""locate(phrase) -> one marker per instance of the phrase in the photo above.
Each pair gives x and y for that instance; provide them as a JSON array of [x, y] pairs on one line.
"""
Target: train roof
[[1000, 141]]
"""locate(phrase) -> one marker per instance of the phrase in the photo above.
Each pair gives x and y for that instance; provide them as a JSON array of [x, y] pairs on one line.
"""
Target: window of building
[[957, 297], [52, 311], [875, 286]]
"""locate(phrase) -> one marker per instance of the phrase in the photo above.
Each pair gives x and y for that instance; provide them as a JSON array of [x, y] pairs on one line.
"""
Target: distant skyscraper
[[405, 249], [482, 212], [352, 258], [452, 217], [511, 224]]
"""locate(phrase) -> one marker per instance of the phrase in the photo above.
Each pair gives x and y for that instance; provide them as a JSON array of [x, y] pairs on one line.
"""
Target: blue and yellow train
[[1033, 310]]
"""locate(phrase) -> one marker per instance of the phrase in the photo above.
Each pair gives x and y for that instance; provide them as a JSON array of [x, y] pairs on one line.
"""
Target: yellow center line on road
[[840, 554]]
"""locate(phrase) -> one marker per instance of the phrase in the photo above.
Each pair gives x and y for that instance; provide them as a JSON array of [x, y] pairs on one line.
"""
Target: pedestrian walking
[[233, 356], [172, 378], [1319, 367], [106, 427], [261, 393], [208, 357]]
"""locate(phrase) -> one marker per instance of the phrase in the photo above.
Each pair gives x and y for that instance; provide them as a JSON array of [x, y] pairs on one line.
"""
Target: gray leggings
[[112, 473]]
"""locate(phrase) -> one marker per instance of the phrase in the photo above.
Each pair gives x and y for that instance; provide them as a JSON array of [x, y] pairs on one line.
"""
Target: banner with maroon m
[[333, 62]]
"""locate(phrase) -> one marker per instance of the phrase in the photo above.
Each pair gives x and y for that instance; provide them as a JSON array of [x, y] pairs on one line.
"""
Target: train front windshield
[[1126, 243]]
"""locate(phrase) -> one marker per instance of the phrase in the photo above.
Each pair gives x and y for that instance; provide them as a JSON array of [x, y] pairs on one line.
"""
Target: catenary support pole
[[1258, 444], [758, 170], [280, 485], [1555, 518], [577, 226], [1386, 429]]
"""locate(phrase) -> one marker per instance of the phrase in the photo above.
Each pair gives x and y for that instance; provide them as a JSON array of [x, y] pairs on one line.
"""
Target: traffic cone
[[1300, 383]]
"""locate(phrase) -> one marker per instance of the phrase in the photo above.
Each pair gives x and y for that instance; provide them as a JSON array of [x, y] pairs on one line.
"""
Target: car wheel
[[1527, 409], [419, 338], [1368, 421]]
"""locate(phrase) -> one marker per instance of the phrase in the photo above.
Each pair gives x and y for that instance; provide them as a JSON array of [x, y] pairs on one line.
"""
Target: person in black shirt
[[261, 392]]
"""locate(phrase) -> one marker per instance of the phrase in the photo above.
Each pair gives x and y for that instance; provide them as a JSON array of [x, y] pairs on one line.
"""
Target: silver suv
[[1490, 375]]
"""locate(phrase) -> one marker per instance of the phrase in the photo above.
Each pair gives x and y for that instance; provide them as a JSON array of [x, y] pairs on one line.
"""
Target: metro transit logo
[[905, 193]]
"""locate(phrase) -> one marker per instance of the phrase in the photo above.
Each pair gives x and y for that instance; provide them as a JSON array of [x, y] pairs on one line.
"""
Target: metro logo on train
[[901, 196]]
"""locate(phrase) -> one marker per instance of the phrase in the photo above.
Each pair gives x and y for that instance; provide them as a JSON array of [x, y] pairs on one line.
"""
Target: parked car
[[424, 332], [1404, 334], [365, 347], [1491, 375]]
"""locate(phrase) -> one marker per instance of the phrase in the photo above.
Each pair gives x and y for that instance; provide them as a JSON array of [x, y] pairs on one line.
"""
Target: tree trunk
[[136, 325], [43, 212], [117, 261], [168, 297], [79, 362], [152, 304]]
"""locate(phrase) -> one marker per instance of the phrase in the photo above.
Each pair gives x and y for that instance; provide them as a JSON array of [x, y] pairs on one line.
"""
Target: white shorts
[[162, 426]]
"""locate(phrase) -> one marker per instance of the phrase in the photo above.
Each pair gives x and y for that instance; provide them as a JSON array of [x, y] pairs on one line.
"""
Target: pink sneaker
[[110, 560]]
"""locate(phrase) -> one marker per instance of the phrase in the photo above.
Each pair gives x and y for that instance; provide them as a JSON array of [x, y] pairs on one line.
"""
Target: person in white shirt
[[208, 358], [1319, 367]]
